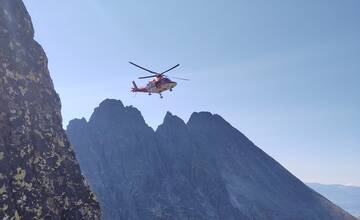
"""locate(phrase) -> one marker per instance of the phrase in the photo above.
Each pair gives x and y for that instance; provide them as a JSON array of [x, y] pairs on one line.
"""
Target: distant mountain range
[[347, 197], [204, 169]]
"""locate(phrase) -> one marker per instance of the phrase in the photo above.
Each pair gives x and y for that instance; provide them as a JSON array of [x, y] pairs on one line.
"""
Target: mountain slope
[[204, 169], [39, 175], [347, 197], [117, 156]]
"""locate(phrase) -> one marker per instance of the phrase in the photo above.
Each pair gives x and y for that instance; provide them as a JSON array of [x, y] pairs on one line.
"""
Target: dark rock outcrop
[[40, 177], [201, 170]]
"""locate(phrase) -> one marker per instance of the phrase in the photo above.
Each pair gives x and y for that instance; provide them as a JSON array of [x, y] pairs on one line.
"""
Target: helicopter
[[158, 84]]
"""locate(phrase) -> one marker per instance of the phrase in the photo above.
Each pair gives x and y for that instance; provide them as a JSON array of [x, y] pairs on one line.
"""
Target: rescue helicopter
[[158, 84]]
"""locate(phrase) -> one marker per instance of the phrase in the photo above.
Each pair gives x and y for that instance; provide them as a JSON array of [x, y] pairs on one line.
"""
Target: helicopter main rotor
[[155, 74]]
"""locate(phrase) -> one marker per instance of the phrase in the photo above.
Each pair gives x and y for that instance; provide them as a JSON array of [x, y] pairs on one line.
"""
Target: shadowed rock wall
[[40, 177]]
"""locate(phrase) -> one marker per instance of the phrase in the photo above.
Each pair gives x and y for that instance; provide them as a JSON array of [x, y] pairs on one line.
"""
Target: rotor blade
[[145, 77], [180, 78], [142, 68], [170, 69]]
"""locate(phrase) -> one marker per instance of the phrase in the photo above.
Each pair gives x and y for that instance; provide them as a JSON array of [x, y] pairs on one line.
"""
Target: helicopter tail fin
[[135, 88], [134, 84]]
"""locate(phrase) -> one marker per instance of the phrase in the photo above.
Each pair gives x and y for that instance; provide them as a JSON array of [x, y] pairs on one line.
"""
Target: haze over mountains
[[347, 197], [202, 169]]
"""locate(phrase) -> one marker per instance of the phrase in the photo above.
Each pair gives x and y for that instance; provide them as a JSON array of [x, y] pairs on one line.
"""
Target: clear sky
[[285, 73]]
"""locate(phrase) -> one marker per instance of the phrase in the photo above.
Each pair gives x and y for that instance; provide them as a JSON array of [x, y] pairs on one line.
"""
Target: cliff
[[40, 177]]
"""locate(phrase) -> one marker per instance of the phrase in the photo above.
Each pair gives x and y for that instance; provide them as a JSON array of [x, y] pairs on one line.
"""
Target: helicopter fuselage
[[157, 85]]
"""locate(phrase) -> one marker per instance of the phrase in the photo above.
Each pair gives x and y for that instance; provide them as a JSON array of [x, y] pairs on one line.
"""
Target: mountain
[[204, 169], [347, 197], [40, 177]]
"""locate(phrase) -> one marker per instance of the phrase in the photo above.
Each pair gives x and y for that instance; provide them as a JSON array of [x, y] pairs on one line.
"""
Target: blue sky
[[285, 73]]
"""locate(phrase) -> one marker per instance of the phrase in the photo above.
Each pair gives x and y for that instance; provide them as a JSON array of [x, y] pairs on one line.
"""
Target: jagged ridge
[[202, 169]]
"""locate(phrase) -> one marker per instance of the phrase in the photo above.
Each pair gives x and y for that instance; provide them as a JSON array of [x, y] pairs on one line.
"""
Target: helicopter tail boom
[[137, 89]]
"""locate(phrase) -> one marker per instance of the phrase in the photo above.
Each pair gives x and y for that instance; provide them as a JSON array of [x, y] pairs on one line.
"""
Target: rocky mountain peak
[[107, 108], [111, 114], [111, 104], [206, 119], [76, 123], [200, 116], [172, 122], [205, 170]]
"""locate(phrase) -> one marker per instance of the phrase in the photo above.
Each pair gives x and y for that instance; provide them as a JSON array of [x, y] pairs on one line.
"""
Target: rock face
[[201, 170], [39, 175]]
